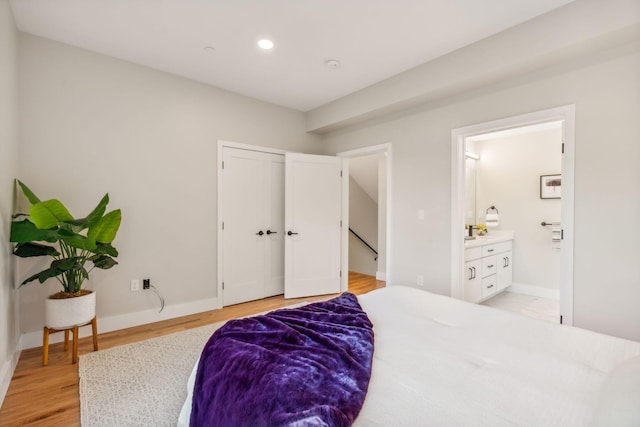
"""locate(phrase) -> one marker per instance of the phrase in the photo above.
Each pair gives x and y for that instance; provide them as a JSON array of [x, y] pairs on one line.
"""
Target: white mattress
[[444, 362]]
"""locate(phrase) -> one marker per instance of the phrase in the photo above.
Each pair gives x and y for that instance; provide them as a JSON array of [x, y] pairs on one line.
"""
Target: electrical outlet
[[146, 283], [420, 280], [135, 285]]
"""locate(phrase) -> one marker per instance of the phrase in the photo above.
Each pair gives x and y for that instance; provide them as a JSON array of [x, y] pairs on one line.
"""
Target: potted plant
[[50, 230]]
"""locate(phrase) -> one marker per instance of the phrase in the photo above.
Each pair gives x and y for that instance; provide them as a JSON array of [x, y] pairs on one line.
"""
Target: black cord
[[153, 288]]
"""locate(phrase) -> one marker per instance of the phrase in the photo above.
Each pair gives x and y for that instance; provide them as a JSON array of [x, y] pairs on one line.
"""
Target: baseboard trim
[[128, 320], [381, 275], [535, 291], [6, 374]]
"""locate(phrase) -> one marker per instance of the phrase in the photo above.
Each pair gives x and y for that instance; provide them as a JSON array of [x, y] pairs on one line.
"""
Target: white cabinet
[[473, 280], [505, 270], [488, 270]]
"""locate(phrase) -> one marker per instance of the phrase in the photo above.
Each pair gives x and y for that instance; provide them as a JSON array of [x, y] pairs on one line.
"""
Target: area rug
[[143, 383], [140, 384]]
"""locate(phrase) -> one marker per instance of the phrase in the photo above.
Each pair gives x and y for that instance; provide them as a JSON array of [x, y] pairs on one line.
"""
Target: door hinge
[[340, 273], [223, 286], [223, 225], [562, 234], [223, 165], [563, 148], [561, 319], [340, 174], [340, 223]]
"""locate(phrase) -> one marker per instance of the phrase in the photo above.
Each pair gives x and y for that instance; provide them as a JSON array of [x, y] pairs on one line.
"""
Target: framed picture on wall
[[550, 186]]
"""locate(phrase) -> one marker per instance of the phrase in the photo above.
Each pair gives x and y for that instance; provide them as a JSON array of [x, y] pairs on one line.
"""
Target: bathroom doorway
[[512, 150]]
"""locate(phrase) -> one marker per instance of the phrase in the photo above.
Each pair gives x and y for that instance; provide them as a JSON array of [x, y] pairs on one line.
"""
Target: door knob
[[290, 233], [269, 232], [260, 233]]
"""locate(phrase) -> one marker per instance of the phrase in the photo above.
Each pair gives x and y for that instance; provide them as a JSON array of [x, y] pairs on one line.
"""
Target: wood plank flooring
[[48, 395]]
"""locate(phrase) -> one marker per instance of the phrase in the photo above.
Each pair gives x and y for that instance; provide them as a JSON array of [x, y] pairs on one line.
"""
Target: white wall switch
[[421, 214], [420, 280], [135, 285]]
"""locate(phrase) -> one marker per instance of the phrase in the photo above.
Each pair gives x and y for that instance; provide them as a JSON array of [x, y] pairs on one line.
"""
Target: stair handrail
[[366, 244]]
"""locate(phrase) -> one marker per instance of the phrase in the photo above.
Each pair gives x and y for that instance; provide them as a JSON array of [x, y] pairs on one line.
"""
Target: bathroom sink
[[480, 240]]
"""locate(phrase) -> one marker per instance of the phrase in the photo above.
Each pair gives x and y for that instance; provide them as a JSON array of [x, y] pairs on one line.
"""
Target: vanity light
[[471, 155], [265, 44]]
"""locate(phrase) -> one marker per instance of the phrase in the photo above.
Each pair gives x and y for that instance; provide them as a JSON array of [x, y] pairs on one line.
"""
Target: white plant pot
[[69, 312]]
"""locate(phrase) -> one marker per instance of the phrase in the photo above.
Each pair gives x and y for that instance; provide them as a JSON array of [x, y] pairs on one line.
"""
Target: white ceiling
[[372, 39]]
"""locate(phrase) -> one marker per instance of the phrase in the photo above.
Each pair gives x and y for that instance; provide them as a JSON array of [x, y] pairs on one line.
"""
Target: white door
[[313, 206], [252, 260]]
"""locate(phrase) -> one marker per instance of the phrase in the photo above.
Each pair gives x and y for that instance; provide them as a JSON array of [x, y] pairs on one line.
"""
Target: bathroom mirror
[[470, 189]]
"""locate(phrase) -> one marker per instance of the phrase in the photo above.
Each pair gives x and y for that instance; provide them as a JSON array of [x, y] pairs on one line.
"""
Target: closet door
[[313, 211], [253, 217]]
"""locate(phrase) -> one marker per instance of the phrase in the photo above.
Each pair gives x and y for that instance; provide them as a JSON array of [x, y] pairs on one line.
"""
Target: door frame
[[361, 152], [566, 114], [222, 144]]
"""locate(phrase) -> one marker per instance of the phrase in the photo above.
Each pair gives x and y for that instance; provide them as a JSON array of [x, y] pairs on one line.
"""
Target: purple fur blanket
[[306, 366]]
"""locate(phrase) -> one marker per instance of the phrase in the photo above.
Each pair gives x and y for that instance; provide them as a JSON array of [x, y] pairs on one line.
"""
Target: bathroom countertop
[[489, 239]]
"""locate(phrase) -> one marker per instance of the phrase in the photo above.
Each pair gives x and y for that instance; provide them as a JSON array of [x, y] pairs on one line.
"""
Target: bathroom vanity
[[488, 267]]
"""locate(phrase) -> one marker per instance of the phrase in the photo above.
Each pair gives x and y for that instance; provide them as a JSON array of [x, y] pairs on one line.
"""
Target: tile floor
[[540, 308]]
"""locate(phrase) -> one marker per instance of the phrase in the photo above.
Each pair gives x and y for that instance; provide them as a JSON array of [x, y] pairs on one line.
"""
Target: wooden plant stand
[[74, 330]]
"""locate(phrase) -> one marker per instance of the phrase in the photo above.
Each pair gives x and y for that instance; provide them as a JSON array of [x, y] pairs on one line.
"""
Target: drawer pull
[[489, 250], [490, 286], [490, 266]]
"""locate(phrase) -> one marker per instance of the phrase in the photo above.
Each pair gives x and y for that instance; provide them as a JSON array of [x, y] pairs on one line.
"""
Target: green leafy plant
[[71, 242]]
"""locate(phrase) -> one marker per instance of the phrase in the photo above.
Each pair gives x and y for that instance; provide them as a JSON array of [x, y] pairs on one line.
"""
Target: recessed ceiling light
[[265, 44], [209, 49]]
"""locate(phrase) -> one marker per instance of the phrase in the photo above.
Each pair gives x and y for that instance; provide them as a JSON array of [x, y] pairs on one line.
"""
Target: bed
[[443, 362]]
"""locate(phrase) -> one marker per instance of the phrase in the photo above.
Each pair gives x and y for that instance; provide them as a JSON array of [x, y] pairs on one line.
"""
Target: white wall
[[604, 88], [91, 124], [508, 176], [363, 219], [9, 331]]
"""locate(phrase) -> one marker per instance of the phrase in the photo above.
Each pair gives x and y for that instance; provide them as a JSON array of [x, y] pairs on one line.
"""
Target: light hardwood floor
[[48, 395]]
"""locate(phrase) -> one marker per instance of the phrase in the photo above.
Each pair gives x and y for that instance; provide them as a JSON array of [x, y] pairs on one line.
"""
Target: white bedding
[[444, 362]]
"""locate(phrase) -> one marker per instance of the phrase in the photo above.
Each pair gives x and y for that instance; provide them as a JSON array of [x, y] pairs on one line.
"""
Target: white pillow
[[619, 400]]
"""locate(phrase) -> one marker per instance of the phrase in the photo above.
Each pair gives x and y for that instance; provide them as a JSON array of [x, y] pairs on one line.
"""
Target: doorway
[[464, 137], [379, 157]]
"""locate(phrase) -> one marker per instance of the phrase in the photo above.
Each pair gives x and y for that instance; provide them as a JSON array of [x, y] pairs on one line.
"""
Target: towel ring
[[492, 208]]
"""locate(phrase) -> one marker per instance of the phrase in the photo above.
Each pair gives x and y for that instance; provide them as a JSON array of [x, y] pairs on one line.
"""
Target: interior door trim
[[566, 114], [360, 152]]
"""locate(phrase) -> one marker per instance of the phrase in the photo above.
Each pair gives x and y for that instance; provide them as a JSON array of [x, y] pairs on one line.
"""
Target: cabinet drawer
[[489, 266], [472, 253], [496, 248], [489, 286]]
